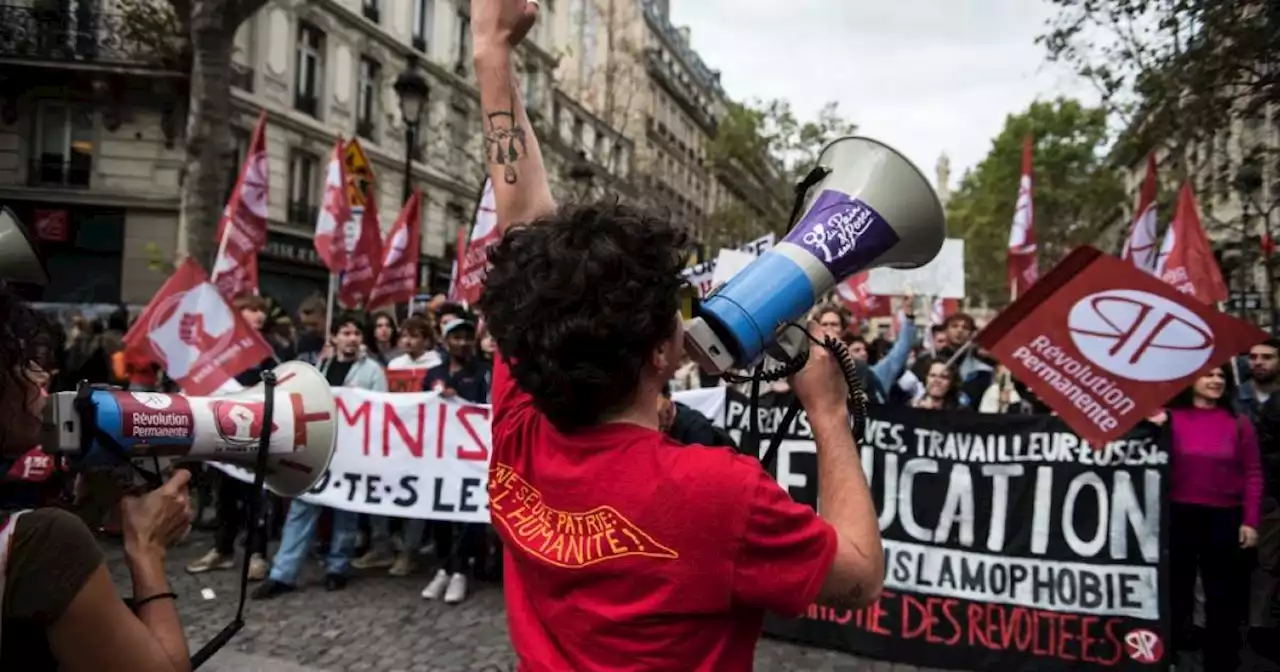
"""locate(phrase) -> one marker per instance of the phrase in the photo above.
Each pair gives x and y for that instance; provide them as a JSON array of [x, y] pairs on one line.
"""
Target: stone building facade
[[91, 122]]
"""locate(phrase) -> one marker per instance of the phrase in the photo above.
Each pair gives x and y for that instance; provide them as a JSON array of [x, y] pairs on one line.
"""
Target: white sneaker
[[435, 589], [457, 590]]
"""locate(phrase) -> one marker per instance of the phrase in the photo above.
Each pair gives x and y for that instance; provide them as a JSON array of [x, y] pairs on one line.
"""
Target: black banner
[[1009, 543]]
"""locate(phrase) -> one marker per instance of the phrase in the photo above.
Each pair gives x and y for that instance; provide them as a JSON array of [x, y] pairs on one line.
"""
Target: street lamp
[[413, 92], [1247, 183]]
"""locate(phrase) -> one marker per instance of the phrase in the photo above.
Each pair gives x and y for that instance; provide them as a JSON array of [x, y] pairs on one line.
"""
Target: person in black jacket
[[469, 377], [233, 495], [688, 426]]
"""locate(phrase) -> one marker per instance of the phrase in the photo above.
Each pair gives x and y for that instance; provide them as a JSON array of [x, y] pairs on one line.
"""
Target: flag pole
[[328, 313]]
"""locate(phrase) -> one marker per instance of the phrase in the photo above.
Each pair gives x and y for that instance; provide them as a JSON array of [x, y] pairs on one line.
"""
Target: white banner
[[415, 455], [941, 278]]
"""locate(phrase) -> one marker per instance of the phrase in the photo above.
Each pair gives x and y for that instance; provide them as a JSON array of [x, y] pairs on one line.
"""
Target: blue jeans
[[380, 533], [300, 529]]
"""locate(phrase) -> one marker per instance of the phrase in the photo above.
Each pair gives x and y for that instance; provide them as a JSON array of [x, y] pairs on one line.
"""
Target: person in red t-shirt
[[622, 548]]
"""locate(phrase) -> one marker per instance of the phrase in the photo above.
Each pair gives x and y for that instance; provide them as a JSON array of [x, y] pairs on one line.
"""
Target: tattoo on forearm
[[505, 142]]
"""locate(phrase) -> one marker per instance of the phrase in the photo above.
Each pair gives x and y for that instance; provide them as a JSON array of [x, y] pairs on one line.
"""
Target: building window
[[531, 90], [460, 127], [309, 69], [422, 11], [240, 140], [372, 10], [304, 176], [64, 138], [464, 42], [367, 97], [579, 129]]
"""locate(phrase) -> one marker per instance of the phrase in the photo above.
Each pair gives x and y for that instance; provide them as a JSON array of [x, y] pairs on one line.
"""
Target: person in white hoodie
[[417, 341]]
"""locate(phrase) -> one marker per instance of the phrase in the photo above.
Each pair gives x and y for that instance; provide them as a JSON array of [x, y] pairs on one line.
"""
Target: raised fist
[[191, 331]]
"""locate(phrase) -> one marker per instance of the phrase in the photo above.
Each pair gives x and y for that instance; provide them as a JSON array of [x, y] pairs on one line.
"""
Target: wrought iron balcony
[[87, 37], [52, 171], [681, 91]]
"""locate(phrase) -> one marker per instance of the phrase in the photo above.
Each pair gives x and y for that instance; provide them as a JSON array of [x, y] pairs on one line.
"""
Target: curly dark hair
[[578, 300], [27, 337]]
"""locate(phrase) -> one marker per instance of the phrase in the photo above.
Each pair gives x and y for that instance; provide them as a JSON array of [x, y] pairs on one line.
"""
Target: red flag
[[1105, 345], [942, 309], [1140, 246], [335, 212], [1268, 245], [398, 277], [191, 330], [242, 230], [473, 266], [1023, 268], [856, 295], [365, 257], [1190, 265]]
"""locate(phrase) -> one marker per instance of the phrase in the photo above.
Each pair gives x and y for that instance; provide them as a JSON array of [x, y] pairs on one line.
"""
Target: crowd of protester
[[1223, 433]]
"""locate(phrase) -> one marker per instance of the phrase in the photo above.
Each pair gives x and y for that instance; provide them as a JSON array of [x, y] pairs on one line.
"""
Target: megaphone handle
[[255, 501]]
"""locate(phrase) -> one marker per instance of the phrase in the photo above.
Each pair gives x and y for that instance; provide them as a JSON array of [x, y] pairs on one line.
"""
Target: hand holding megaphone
[[158, 519], [864, 206], [820, 385]]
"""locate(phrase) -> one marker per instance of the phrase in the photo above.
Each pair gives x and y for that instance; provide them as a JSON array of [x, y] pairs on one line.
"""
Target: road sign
[[359, 172]]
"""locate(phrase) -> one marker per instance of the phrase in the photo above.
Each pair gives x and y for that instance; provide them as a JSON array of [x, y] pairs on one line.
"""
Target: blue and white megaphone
[[870, 208]]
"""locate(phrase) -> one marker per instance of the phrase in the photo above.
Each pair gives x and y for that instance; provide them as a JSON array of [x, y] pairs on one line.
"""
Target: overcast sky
[[926, 76]]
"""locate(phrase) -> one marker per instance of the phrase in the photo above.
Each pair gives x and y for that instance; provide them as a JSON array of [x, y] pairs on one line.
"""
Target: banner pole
[[328, 311]]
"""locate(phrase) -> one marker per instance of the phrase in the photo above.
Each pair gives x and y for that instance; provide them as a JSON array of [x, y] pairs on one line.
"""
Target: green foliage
[[767, 137], [152, 29], [1074, 191], [1172, 72]]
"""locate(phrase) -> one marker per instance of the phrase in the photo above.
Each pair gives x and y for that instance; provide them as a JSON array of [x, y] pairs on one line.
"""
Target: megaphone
[[871, 207], [101, 428], [18, 259]]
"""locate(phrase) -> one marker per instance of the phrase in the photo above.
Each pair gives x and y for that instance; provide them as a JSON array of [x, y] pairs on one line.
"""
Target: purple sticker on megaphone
[[844, 233]]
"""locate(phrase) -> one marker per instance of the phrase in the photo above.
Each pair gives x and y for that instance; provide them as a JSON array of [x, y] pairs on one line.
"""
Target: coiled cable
[[763, 374]]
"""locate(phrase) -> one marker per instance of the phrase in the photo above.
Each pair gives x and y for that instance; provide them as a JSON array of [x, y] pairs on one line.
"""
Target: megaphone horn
[[100, 427], [872, 208], [18, 259]]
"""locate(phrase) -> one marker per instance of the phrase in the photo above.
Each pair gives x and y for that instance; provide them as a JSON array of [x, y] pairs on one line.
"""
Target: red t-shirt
[[627, 551]]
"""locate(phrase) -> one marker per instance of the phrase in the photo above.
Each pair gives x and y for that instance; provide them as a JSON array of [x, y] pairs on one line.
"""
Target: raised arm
[[514, 157]]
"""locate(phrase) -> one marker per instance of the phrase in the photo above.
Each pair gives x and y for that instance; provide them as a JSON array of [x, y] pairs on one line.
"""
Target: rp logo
[[240, 422], [1144, 646], [1140, 336]]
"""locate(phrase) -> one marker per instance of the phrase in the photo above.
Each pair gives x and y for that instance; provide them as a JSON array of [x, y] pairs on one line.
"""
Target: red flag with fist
[[191, 331], [1105, 345]]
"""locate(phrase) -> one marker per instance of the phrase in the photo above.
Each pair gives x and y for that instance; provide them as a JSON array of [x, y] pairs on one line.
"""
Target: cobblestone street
[[381, 624]]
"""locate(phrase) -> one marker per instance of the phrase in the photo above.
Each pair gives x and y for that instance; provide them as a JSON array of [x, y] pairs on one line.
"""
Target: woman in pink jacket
[[1215, 495]]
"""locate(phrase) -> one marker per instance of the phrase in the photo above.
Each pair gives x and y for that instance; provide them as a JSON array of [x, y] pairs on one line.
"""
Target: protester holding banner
[[1215, 498], [621, 545], [348, 367], [232, 494], [941, 389], [463, 375], [384, 344]]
